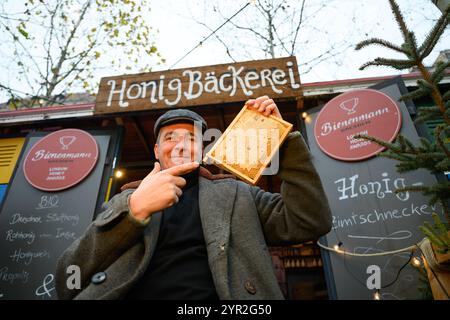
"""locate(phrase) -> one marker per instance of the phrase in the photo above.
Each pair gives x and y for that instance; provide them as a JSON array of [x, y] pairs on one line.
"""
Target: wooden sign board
[[223, 83], [248, 144]]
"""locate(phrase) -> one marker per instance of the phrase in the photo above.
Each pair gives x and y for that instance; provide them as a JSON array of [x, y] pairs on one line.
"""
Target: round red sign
[[365, 111], [60, 160]]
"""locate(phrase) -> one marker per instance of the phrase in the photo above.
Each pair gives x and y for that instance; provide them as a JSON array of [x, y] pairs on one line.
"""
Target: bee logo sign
[[365, 111], [61, 160]]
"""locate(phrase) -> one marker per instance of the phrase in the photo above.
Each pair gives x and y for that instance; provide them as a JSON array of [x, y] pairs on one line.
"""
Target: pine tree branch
[[387, 145], [439, 140], [381, 42], [399, 18], [412, 189], [435, 93], [421, 117], [395, 156], [446, 95], [418, 93], [435, 33], [394, 63], [444, 204], [439, 72]]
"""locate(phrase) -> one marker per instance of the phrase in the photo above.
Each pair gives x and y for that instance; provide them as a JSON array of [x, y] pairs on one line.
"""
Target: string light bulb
[[119, 174], [338, 246], [377, 295], [304, 115], [416, 262]]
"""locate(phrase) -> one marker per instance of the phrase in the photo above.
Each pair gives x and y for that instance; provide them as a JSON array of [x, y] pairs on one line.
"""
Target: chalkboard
[[368, 217], [37, 226]]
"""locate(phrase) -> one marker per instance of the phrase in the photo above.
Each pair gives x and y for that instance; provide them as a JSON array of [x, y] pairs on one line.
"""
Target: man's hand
[[159, 190], [265, 105]]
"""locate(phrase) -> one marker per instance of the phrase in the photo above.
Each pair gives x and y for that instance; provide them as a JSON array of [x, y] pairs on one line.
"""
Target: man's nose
[[182, 144]]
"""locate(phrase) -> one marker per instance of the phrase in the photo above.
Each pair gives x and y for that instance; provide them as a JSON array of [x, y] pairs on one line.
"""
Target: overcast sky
[[342, 23], [354, 20]]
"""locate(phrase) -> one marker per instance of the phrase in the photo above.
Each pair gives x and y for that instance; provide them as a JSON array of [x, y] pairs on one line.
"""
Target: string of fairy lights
[[413, 260]]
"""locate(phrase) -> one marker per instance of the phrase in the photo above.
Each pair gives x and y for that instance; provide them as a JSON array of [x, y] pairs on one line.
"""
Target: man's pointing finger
[[181, 169]]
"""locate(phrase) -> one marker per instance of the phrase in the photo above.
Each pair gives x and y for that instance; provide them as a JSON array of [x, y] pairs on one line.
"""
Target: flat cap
[[178, 116]]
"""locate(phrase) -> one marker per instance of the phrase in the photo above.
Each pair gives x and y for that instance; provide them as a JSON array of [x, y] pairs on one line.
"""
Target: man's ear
[[155, 150]]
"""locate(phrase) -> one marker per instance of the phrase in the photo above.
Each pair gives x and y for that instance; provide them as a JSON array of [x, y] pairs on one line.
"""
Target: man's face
[[177, 144]]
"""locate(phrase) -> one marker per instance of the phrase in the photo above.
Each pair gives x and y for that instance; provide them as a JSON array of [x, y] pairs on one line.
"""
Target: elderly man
[[181, 234]]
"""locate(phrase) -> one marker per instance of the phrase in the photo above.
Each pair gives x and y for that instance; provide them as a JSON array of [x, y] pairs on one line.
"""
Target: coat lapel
[[151, 234], [216, 201]]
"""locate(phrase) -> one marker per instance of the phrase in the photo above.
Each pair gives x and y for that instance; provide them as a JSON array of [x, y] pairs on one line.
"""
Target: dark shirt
[[179, 267]]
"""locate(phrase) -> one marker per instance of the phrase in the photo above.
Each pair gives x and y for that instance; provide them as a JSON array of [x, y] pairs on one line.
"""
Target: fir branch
[[399, 18], [439, 226], [411, 189], [435, 33], [411, 146], [439, 140], [444, 204], [427, 231], [411, 44], [439, 72], [428, 113], [411, 165], [381, 42], [425, 85], [418, 93], [394, 156], [382, 143], [401, 142], [431, 155], [432, 109], [425, 144], [443, 165], [440, 191], [446, 95], [394, 63], [427, 116]]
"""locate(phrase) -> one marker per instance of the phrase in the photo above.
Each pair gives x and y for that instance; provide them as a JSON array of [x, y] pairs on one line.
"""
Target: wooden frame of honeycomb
[[248, 144]]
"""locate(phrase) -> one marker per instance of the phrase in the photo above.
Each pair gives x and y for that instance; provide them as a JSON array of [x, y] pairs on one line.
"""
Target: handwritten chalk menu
[[37, 226], [368, 217]]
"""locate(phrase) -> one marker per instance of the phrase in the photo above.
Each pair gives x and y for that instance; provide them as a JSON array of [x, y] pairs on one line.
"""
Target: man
[[179, 235]]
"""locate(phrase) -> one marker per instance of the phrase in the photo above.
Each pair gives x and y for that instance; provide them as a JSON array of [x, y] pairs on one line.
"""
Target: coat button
[[98, 278], [250, 287]]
